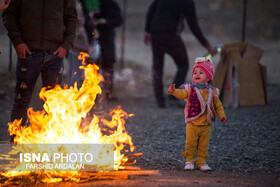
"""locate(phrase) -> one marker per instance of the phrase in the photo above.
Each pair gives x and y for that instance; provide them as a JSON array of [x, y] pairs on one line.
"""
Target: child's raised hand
[[224, 120], [171, 88]]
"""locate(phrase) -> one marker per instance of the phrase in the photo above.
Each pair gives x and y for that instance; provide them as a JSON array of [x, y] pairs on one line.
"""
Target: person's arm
[[220, 111], [149, 16], [115, 16], [10, 19], [178, 93], [70, 21], [190, 14], [110, 15]]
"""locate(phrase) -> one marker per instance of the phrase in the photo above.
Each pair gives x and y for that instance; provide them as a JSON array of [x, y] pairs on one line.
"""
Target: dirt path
[[189, 179]]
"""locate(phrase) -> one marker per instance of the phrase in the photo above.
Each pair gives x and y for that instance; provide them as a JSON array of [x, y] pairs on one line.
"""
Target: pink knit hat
[[206, 65]]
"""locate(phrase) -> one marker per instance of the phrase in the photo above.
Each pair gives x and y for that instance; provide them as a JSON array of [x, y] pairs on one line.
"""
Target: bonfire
[[61, 122]]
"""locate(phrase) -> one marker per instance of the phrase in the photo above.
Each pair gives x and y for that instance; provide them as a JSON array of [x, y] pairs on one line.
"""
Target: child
[[202, 102]]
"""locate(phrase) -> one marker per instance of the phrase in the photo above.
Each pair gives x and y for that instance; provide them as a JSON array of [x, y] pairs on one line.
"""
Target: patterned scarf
[[202, 85]]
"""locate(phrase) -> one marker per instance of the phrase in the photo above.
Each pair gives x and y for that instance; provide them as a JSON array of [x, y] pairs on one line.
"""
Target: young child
[[202, 102]]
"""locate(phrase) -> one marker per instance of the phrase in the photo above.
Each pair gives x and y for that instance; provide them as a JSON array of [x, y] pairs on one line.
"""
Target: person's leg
[[178, 52], [191, 142], [107, 44], [108, 74], [157, 73], [107, 65], [75, 74], [203, 143], [52, 70], [27, 73]]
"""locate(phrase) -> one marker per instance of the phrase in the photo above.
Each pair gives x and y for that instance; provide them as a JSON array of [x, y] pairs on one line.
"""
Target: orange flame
[[60, 122], [83, 57]]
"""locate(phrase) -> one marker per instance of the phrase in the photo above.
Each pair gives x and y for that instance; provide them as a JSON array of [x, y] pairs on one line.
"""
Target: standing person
[[81, 44], [42, 32], [201, 106], [106, 20], [89, 7], [3, 5], [164, 23]]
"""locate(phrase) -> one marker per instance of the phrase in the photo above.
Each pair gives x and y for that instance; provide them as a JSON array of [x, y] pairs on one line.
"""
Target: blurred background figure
[[89, 8], [81, 44], [106, 19], [164, 23], [85, 41], [3, 5]]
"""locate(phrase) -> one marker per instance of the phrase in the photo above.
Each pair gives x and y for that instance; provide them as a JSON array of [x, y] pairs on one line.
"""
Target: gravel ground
[[249, 142], [244, 152], [248, 146]]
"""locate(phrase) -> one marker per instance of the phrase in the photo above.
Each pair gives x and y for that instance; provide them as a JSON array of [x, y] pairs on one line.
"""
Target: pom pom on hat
[[206, 65]]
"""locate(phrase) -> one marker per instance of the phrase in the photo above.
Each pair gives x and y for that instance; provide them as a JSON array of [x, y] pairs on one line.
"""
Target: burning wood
[[59, 123], [81, 177], [134, 155]]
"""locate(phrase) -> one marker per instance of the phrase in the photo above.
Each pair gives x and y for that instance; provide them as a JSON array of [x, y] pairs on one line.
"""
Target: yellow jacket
[[202, 120]]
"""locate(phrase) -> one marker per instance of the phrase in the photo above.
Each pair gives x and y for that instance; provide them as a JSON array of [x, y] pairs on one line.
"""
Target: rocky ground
[[245, 151], [249, 142]]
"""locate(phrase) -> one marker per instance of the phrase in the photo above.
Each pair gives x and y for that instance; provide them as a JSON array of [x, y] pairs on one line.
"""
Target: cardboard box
[[241, 82], [252, 54]]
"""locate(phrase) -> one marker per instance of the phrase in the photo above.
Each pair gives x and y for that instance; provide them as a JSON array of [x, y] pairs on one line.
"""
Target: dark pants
[[49, 65], [173, 45], [107, 58]]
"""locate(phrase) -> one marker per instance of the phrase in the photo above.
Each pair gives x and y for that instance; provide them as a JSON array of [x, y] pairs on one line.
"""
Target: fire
[[65, 109]]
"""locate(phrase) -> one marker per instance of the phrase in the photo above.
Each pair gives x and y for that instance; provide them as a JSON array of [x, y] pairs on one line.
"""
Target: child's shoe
[[189, 166], [205, 168]]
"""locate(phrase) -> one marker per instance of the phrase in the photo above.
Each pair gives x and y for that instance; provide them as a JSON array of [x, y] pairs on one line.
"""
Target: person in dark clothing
[[88, 9], [164, 23], [42, 32], [107, 19]]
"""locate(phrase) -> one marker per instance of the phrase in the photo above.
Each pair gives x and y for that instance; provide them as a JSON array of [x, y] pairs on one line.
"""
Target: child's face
[[199, 76]]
